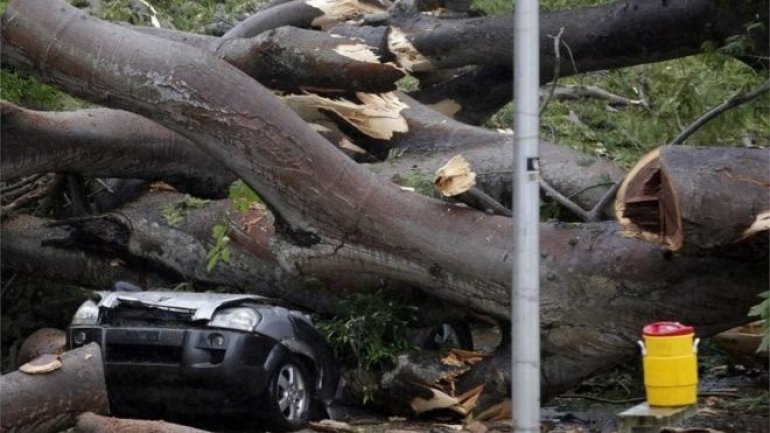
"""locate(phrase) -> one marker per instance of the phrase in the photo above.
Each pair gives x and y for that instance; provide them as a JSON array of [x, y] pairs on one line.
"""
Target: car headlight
[[244, 319], [87, 314]]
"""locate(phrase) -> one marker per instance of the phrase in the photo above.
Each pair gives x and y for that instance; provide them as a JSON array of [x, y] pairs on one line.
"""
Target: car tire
[[289, 397], [454, 333]]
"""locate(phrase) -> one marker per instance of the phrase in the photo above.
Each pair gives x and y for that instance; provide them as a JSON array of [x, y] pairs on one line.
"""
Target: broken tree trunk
[[92, 423], [697, 198], [292, 59], [49, 402]]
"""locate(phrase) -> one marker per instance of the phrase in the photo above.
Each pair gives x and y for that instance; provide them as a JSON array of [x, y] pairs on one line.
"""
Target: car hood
[[203, 305]]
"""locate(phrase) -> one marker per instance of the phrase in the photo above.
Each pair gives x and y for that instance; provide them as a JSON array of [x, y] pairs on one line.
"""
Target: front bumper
[[182, 369]]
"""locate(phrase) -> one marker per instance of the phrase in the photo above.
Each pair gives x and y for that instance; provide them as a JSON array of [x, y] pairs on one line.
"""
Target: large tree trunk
[[50, 402], [698, 198]]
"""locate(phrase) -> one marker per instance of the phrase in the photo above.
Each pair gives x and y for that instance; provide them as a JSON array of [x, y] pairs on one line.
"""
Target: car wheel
[[289, 397], [449, 334]]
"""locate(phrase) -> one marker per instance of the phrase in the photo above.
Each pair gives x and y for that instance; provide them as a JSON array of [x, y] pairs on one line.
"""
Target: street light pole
[[525, 297]]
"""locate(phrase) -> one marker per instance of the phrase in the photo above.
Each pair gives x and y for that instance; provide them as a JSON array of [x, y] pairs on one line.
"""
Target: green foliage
[[242, 196], [175, 213], [26, 91], [497, 7], [678, 92], [762, 310], [202, 16], [369, 329], [421, 181], [220, 250]]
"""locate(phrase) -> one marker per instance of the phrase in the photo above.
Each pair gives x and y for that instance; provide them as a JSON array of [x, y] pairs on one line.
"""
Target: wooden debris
[[42, 364], [331, 426], [335, 11], [407, 56], [498, 412], [377, 116], [455, 177]]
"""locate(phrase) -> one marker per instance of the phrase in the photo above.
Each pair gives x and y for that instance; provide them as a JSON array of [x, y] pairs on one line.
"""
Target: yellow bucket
[[670, 364]]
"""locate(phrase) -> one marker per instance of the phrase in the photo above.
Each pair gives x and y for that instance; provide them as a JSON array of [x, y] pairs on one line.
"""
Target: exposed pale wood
[[43, 364]]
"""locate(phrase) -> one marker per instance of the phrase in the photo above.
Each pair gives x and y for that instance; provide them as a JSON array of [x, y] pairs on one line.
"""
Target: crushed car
[[177, 355]]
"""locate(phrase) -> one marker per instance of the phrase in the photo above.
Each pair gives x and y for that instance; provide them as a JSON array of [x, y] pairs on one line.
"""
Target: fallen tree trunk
[[292, 59], [697, 198], [50, 402], [105, 143], [620, 34], [92, 423]]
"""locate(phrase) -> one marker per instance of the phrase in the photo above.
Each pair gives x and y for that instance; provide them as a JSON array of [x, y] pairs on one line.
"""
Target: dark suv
[[174, 354]]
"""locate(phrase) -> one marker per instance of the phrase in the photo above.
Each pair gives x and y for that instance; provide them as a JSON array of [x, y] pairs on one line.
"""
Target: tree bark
[[295, 13], [105, 143], [698, 198], [44, 341], [50, 402], [296, 60], [92, 423], [620, 34]]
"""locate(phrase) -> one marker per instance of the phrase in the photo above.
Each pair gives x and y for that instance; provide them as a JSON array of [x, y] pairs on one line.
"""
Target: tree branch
[[735, 101]]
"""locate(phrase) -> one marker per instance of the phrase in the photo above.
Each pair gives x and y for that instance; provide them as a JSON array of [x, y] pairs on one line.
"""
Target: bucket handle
[[641, 344], [695, 345]]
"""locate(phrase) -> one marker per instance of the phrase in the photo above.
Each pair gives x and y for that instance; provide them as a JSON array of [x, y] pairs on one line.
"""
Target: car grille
[[144, 345]]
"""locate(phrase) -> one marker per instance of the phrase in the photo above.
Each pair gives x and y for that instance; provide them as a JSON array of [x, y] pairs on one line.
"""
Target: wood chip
[[42, 364]]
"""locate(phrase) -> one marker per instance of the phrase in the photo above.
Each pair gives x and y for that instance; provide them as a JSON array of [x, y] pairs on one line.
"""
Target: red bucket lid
[[662, 329]]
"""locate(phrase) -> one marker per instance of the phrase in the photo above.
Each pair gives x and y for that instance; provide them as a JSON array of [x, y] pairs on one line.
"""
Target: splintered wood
[[455, 177], [378, 116], [443, 394]]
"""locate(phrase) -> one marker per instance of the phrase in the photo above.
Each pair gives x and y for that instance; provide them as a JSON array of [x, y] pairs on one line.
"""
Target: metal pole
[[525, 298]]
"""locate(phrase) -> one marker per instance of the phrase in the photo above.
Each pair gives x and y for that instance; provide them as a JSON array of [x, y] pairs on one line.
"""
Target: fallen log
[[92, 423], [697, 198], [49, 402], [598, 36], [296, 60], [104, 143]]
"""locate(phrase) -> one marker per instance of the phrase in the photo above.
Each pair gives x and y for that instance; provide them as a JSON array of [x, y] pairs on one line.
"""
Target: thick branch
[[104, 143], [293, 59], [611, 36]]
